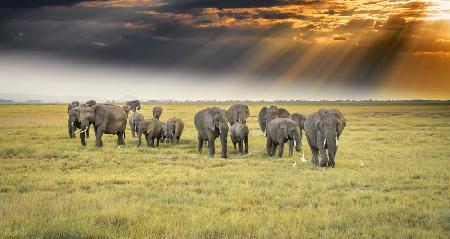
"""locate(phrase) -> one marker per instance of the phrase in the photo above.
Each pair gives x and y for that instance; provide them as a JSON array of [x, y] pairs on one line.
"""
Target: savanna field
[[391, 180]]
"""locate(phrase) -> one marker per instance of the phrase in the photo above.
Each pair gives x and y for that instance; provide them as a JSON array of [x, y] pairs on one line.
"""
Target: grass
[[52, 187]]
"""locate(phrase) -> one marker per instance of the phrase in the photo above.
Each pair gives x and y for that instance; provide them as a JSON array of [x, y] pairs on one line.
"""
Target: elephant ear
[[262, 118], [177, 127], [209, 120], [283, 130], [78, 114]]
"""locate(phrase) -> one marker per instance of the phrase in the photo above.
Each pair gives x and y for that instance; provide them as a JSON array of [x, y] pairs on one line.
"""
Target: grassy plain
[[52, 187]]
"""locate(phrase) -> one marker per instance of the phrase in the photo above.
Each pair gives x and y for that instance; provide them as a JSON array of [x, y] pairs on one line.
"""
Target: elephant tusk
[[82, 131], [324, 142], [337, 141]]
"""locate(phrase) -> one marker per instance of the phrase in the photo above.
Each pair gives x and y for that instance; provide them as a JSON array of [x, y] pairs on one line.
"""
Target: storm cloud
[[355, 44]]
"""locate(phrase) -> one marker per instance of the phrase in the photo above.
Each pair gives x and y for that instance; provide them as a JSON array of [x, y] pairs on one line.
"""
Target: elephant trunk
[[331, 144], [70, 128], [83, 137], [298, 145]]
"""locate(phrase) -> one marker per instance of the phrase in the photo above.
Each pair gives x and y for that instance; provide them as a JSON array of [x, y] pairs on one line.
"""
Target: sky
[[226, 49]]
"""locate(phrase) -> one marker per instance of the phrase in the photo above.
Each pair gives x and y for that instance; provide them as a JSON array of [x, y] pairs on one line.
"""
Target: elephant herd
[[322, 128]]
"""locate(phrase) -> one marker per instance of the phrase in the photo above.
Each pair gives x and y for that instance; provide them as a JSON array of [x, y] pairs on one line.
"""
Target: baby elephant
[[174, 129], [151, 130], [239, 135], [279, 131]]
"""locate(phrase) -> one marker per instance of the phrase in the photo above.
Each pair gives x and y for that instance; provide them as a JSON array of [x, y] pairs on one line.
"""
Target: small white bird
[[303, 157], [295, 164], [118, 147], [361, 163]]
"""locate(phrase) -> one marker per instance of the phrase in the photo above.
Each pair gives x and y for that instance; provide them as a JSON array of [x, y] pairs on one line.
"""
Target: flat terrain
[[52, 187]]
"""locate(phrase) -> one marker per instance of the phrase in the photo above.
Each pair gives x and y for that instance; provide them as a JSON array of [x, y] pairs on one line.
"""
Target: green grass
[[52, 187]]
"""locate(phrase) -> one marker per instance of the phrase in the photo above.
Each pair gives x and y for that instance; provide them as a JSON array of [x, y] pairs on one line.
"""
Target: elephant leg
[[95, 130], [291, 148], [98, 137], [200, 145], [269, 146], [315, 156], [323, 155], [133, 130], [246, 144], [178, 139], [149, 140], [157, 142], [87, 133], [240, 146], [211, 147], [234, 145], [280, 149], [120, 140]]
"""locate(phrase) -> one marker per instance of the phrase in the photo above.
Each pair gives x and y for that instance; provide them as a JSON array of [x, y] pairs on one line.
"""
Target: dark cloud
[[264, 39], [36, 3]]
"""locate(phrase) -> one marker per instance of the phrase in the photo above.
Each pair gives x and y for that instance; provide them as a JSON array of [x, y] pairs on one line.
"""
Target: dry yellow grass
[[52, 187]]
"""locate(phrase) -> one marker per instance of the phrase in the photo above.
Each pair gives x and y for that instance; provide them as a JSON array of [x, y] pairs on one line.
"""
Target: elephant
[[239, 135], [74, 121], [266, 114], [323, 129], [72, 105], [90, 103], [174, 129], [151, 129], [238, 113], [157, 111], [279, 131], [107, 119], [212, 123], [134, 104], [127, 109], [135, 120]]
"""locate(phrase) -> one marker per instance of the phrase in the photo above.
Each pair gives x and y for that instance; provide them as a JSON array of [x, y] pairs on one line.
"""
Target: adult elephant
[[90, 103], [212, 123], [279, 131], [174, 129], [134, 104], [323, 129], [72, 105], [266, 114], [238, 113], [74, 121], [107, 119], [157, 111]]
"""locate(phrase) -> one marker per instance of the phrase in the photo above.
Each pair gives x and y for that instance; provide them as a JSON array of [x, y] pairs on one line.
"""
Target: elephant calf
[[174, 129], [135, 120], [239, 135], [151, 129], [279, 131]]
